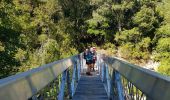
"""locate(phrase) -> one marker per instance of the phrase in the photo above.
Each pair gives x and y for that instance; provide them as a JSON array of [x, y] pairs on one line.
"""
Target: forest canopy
[[36, 32]]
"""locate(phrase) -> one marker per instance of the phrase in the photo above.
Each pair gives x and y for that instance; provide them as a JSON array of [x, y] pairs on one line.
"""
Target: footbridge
[[113, 79]]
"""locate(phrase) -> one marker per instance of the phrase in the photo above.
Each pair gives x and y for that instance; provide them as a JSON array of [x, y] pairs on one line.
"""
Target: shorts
[[94, 61], [89, 62]]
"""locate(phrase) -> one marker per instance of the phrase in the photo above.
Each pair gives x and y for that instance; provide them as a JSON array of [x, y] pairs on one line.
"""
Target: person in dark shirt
[[88, 56]]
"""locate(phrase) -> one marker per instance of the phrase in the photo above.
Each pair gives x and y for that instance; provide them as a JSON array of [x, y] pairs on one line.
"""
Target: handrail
[[154, 85], [27, 84], [24, 85]]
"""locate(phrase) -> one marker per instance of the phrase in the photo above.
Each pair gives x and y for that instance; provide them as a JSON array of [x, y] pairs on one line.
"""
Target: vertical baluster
[[137, 94], [78, 68], [80, 62], [112, 86], [69, 84], [73, 79], [76, 64], [119, 86], [124, 86], [63, 81], [103, 72], [133, 92], [99, 64], [141, 97], [130, 84], [108, 81]]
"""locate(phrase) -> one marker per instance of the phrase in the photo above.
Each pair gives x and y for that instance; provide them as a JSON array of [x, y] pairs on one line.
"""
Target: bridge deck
[[90, 88]]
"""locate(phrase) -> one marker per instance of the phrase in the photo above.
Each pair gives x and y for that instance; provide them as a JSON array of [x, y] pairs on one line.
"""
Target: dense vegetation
[[35, 32]]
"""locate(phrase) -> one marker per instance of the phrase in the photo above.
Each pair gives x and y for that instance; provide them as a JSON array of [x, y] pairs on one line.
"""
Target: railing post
[[69, 84], [112, 86], [78, 68], [108, 81], [63, 81], [98, 65], [73, 80], [119, 85], [103, 72]]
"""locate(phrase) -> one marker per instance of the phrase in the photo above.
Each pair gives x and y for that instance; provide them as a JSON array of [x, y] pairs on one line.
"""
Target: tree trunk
[[119, 26]]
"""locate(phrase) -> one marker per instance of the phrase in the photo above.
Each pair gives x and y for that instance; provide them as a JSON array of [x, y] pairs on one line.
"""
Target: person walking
[[94, 57], [88, 56]]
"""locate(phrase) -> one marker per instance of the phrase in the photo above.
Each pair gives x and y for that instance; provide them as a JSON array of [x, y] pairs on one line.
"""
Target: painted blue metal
[[73, 80], [78, 68], [98, 65], [108, 81], [112, 86], [62, 86], [69, 84], [103, 72], [119, 85]]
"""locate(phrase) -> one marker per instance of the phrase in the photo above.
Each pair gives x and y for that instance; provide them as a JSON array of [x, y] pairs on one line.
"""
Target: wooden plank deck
[[90, 88]]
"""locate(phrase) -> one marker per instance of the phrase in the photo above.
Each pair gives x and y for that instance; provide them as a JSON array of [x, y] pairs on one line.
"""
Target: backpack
[[89, 56]]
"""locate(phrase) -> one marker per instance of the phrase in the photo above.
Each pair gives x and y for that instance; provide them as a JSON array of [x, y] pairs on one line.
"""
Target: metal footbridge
[[113, 79]]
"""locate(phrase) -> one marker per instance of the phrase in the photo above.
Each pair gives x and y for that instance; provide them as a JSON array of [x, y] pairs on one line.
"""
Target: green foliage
[[145, 19], [119, 10], [110, 47], [132, 35], [36, 32], [163, 49], [32, 33], [135, 53], [165, 67], [97, 25], [163, 31], [126, 50], [163, 45], [145, 44]]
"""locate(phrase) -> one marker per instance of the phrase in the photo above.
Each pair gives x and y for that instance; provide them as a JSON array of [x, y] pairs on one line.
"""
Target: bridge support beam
[[62, 86], [108, 81], [117, 80], [69, 84], [78, 68], [103, 74], [74, 79]]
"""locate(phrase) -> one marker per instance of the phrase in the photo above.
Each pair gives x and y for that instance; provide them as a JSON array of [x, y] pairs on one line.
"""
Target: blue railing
[[58, 81], [125, 81], [48, 81]]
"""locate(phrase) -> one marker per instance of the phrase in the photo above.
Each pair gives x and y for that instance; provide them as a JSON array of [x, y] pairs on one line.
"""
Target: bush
[[164, 68], [110, 48], [126, 50], [133, 53], [163, 45]]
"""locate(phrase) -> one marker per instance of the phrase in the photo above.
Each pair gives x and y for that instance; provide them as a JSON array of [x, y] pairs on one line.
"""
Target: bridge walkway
[[90, 88]]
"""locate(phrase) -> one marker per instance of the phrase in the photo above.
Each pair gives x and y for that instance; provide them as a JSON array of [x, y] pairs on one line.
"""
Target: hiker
[[94, 57], [89, 60]]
